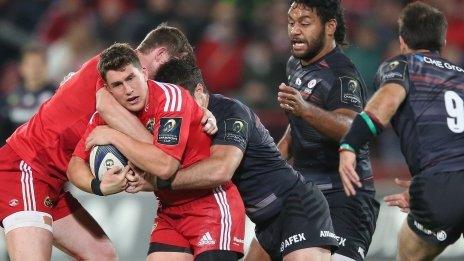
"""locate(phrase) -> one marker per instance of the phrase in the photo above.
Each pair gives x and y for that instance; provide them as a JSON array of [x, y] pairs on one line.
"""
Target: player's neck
[[329, 46], [207, 100], [407, 50]]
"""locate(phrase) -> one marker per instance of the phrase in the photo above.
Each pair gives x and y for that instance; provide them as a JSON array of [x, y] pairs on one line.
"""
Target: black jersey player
[[324, 93], [421, 94], [291, 216]]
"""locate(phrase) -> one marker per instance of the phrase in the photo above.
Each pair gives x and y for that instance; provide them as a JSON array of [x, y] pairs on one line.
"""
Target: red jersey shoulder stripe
[[173, 97]]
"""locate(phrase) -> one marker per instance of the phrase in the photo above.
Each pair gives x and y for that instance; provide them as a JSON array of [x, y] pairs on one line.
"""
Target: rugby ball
[[103, 158]]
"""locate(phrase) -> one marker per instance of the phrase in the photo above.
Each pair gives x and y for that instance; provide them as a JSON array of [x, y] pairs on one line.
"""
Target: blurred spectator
[[9, 79], [58, 19], [110, 17], [386, 16], [33, 89], [262, 73], [195, 17], [365, 51], [220, 52], [18, 21], [144, 19], [69, 52]]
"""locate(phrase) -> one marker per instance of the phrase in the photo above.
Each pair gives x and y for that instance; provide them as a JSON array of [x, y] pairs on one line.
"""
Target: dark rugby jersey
[[430, 121], [263, 177], [330, 83]]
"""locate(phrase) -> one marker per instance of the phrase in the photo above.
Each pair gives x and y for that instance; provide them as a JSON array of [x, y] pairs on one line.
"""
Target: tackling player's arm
[[285, 144], [332, 124], [227, 152], [211, 172], [393, 82]]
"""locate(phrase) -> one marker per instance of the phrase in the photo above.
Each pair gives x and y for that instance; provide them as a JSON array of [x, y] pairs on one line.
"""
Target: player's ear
[[199, 88], [403, 46], [331, 27], [161, 55], [145, 73], [199, 94]]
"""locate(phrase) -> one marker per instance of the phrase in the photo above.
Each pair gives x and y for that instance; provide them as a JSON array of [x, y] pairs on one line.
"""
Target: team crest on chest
[[48, 202], [150, 124], [308, 89], [13, 203]]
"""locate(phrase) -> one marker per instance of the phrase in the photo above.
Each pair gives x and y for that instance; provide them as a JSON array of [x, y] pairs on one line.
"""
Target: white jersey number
[[455, 109]]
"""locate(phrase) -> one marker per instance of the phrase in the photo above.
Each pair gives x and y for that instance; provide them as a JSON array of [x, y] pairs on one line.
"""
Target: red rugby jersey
[[48, 139], [174, 118]]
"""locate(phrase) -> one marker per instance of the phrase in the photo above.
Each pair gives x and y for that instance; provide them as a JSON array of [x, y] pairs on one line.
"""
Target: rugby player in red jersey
[[35, 210], [192, 224]]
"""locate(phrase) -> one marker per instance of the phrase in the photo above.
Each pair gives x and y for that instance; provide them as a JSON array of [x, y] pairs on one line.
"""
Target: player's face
[[306, 32], [129, 87]]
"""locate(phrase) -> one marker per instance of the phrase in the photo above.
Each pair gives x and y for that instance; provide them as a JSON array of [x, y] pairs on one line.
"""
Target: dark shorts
[[437, 208], [354, 220], [304, 222]]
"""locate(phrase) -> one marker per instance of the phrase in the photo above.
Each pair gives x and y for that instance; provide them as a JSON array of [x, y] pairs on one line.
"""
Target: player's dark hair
[[422, 27], [116, 57], [167, 36], [327, 10], [182, 72]]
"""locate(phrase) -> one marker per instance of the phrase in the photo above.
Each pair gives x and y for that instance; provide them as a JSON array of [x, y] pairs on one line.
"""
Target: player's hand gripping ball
[[105, 157]]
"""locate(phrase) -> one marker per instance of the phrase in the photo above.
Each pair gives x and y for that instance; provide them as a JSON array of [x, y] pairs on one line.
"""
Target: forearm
[[119, 118], [329, 123], [79, 174], [284, 144], [211, 172], [146, 156], [203, 175], [148, 183], [385, 102]]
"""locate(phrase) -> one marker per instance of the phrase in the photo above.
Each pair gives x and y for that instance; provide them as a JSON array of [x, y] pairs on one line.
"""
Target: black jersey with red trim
[[263, 178], [430, 121], [331, 83]]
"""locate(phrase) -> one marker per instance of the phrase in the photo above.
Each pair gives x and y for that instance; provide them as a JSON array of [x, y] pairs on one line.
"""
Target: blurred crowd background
[[241, 45]]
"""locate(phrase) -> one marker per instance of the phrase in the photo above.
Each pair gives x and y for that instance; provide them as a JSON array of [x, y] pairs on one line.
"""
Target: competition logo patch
[[393, 65], [236, 131], [394, 70], [169, 131], [150, 125], [237, 126], [351, 91]]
